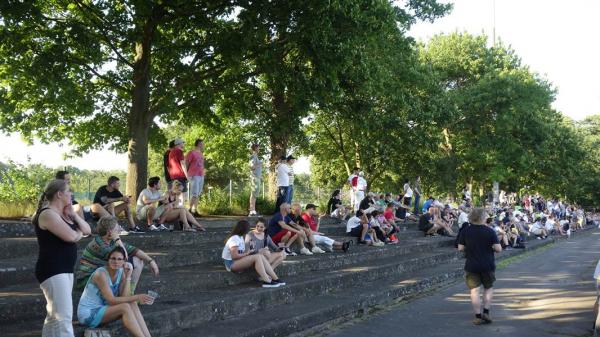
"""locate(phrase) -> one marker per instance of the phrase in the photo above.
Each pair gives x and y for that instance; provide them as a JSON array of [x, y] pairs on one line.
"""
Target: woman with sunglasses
[[107, 298]]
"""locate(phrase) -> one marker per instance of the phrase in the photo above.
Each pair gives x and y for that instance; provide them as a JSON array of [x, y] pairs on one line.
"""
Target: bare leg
[[268, 269], [100, 211], [251, 261], [194, 203], [124, 312], [310, 236], [183, 218], [150, 215], [140, 319], [475, 301], [488, 294], [138, 267], [275, 259], [252, 206], [192, 220], [364, 232], [124, 207]]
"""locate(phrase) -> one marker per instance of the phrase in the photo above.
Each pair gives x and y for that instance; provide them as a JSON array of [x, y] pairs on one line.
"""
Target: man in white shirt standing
[[290, 190], [352, 183], [361, 186], [282, 171]]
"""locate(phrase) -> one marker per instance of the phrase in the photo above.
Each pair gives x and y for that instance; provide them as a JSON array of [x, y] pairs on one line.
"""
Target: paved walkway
[[549, 293]]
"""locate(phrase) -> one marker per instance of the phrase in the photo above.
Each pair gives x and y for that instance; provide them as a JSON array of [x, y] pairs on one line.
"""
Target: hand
[[145, 299], [125, 199], [128, 269], [154, 266], [69, 212]]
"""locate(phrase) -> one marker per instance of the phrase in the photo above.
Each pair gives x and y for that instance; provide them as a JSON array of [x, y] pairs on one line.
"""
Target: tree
[[105, 72]]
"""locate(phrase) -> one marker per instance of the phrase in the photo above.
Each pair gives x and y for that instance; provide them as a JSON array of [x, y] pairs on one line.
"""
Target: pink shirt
[[195, 163]]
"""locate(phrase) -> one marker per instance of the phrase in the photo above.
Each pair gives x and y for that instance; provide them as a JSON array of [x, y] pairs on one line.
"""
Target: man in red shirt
[[178, 168], [310, 217]]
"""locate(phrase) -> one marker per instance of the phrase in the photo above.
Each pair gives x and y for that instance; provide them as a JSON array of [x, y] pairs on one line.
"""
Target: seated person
[[258, 240], [310, 218], [389, 214], [383, 229], [358, 226], [236, 258], [105, 199], [174, 211], [426, 222], [147, 209], [334, 203], [299, 223], [95, 254], [373, 231], [538, 229], [367, 202], [284, 232], [437, 219], [107, 297]]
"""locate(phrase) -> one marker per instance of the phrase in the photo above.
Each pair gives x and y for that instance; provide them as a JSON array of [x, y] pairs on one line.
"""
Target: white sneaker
[[317, 250], [153, 228], [123, 232], [305, 251], [378, 244], [162, 227], [329, 249]]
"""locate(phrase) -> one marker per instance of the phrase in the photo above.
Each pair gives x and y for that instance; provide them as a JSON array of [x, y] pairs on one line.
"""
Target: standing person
[[479, 242], [195, 169], [361, 187], [166, 163], [466, 195], [57, 228], [178, 168], [406, 198], [417, 192], [66, 176], [283, 181], [256, 166], [105, 199], [107, 298], [352, 183], [290, 190]]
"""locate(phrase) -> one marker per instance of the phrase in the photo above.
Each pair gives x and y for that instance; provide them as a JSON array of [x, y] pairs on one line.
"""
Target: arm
[[235, 255], [461, 248], [289, 228], [497, 247], [147, 259], [100, 279], [52, 222], [148, 201], [84, 227]]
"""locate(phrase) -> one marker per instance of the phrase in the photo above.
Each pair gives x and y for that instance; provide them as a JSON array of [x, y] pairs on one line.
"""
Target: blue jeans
[[417, 199], [290, 194], [281, 197]]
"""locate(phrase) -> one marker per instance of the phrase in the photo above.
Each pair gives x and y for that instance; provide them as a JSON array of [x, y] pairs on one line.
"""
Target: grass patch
[[16, 210], [506, 262]]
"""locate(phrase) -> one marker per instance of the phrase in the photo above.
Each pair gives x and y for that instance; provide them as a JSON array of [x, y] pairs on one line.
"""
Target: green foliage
[[20, 183], [218, 203]]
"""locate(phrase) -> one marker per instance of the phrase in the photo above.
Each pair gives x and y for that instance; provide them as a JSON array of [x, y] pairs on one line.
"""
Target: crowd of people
[[109, 269]]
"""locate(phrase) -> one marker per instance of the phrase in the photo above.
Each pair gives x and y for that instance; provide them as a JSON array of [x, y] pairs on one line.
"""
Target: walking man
[[479, 242]]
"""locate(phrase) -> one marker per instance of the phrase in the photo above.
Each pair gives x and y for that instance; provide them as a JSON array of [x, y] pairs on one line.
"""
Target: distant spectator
[[148, 208], [406, 198], [417, 192], [290, 160], [427, 204], [427, 224], [174, 210], [334, 202], [282, 173], [178, 168], [64, 175], [195, 169], [105, 199], [107, 297], [538, 229], [310, 218], [367, 203], [463, 215], [58, 229], [259, 241], [237, 258], [95, 253], [256, 166], [352, 181], [283, 232], [383, 229], [358, 227], [439, 221], [466, 194], [361, 187], [166, 163]]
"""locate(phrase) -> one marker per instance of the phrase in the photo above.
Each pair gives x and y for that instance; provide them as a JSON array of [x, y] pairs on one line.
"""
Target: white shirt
[[549, 225], [291, 175], [361, 184], [283, 174], [234, 241], [150, 195], [462, 218], [536, 226], [408, 192], [352, 222]]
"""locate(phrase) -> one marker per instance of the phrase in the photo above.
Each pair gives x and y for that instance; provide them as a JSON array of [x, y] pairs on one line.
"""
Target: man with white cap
[[359, 194]]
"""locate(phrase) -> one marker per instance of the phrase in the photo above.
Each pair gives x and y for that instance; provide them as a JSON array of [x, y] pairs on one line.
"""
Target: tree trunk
[[140, 118], [279, 136]]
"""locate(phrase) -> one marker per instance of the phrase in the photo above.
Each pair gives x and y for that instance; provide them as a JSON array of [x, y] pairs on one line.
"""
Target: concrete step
[[21, 298]]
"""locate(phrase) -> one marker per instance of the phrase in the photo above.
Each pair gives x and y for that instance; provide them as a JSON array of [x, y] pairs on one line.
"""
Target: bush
[[217, 203]]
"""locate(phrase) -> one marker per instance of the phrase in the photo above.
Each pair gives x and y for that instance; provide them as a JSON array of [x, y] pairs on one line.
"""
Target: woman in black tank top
[[57, 228]]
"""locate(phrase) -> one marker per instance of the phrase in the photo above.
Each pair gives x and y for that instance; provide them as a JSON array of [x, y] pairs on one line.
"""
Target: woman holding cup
[[102, 300]]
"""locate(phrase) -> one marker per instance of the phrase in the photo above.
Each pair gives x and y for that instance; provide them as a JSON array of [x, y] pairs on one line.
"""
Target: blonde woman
[[172, 210]]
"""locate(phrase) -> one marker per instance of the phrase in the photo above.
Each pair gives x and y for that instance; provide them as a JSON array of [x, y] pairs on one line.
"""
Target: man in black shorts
[[479, 242]]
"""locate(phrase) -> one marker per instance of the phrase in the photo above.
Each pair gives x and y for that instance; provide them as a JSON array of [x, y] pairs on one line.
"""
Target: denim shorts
[[196, 185], [228, 264]]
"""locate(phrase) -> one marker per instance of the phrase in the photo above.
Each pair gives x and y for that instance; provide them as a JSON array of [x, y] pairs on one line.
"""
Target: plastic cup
[[152, 294]]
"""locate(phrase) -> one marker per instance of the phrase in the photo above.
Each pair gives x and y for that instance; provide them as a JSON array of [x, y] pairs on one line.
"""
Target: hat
[[309, 206], [178, 141], [290, 157]]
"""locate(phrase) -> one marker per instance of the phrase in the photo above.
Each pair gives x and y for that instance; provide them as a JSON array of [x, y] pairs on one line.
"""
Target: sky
[[554, 38]]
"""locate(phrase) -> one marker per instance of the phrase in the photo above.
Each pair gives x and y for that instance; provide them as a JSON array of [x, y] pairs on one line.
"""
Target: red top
[[312, 223], [388, 214], [355, 181], [175, 169], [195, 163]]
